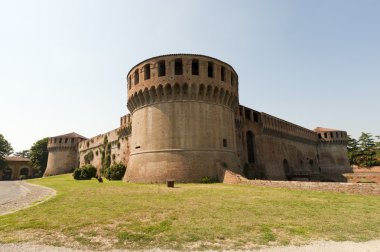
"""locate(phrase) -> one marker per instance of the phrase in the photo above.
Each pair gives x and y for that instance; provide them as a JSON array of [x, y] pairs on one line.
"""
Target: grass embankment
[[120, 215]]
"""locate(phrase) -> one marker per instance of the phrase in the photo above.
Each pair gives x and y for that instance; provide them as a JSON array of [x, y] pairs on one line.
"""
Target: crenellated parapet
[[331, 136], [281, 128], [182, 77], [68, 141], [63, 153]]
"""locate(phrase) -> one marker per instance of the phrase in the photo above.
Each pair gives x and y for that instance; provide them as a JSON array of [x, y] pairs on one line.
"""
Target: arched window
[[7, 173], [178, 68], [147, 72], [129, 82], [136, 76], [24, 171], [195, 67], [287, 169], [161, 68], [250, 147]]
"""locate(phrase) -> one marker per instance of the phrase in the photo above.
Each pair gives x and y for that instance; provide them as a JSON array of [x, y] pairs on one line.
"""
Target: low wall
[[229, 177]]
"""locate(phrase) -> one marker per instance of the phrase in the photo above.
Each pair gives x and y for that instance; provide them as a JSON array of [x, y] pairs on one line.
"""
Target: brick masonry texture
[[185, 121]]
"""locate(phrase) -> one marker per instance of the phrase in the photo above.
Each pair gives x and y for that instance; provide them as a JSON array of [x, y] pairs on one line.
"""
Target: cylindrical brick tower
[[332, 154], [182, 108], [63, 154]]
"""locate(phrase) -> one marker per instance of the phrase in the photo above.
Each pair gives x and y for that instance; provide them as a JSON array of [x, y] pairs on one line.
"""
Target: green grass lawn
[[115, 214]]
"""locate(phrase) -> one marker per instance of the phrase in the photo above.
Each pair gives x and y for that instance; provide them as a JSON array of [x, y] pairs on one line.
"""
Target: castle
[[185, 121]]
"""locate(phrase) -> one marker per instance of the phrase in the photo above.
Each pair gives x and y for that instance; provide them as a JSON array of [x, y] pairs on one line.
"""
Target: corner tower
[[332, 154], [63, 154], [183, 121]]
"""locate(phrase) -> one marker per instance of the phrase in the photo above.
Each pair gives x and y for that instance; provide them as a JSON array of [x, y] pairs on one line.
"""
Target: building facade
[[17, 168], [185, 119]]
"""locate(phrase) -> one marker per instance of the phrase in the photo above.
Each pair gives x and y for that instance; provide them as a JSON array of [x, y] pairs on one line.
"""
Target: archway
[[24, 171], [250, 147], [7, 174], [287, 169]]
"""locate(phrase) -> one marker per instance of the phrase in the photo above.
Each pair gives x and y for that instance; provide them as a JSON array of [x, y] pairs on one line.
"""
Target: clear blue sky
[[63, 64]]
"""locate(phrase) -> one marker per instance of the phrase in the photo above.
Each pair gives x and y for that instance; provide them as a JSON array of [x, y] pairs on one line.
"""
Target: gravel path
[[17, 195], [325, 246]]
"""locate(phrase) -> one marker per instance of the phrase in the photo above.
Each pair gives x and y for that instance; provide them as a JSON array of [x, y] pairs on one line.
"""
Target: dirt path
[[19, 195], [325, 246]]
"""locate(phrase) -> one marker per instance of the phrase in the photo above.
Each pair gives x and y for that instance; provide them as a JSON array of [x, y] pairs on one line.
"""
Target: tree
[[353, 150], [39, 155], [367, 150], [377, 148], [24, 153], [5, 150]]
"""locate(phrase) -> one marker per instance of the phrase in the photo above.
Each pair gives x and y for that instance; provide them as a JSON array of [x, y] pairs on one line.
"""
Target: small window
[[331, 135], [336, 134], [247, 114], [178, 69], [136, 76], [147, 72], [210, 70], [72, 140], [325, 134], [223, 74], [161, 68], [319, 136], [129, 82], [224, 142], [195, 67], [55, 140], [66, 140], [60, 140], [255, 117]]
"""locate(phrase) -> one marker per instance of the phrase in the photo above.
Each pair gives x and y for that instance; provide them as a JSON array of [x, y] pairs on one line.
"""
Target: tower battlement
[[63, 153], [182, 77]]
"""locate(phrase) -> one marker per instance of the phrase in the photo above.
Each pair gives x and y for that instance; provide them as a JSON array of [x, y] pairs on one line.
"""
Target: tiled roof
[[320, 129], [18, 159], [71, 135]]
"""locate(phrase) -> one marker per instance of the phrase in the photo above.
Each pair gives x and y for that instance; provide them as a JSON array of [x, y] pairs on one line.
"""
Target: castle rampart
[[112, 145], [187, 122]]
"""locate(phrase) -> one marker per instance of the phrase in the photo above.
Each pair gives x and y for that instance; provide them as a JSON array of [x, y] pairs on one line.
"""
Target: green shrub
[[23, 177], [84, 172], [208, 180], [114, 172], [89, 157]]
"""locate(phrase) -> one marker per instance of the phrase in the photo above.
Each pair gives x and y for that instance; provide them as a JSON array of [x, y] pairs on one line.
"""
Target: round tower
[[332, 154], [183, 123], [63, 154]]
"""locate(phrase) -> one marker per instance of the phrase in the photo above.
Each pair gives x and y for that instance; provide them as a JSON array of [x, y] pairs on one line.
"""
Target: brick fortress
[[185, 122]]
